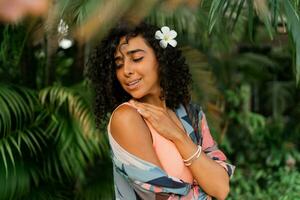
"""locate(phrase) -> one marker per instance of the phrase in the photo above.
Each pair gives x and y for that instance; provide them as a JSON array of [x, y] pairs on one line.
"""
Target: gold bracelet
[[193, 156]]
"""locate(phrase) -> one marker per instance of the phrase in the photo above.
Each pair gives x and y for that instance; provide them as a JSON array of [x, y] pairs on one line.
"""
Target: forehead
[[137, 42]]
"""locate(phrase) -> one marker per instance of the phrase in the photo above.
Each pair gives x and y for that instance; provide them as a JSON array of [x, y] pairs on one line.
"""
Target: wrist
[[189, 161], [179, 137], [187, 148]]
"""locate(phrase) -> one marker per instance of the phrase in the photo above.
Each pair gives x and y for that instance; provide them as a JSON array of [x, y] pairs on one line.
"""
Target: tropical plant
[[240, 53], [47, 142]]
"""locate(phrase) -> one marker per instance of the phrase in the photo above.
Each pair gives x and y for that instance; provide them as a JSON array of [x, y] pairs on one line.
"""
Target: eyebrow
[[131, 52]]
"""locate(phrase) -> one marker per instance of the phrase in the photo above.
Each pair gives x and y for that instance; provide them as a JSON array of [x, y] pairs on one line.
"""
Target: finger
[[143, 112], [152, 106], [148, 115], [146, 106], [158, 114], [137, 103]]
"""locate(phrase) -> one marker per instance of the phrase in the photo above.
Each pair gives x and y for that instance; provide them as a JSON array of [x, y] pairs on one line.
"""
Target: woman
[[161, 145]]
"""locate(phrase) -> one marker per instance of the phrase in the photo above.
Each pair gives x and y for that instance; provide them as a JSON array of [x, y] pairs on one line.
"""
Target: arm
[[208, 169], [131, 132], [210, 175]]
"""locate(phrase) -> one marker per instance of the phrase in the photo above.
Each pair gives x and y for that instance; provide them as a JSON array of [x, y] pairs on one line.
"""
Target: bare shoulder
[[127, 123], [125, 113], [131, 132]]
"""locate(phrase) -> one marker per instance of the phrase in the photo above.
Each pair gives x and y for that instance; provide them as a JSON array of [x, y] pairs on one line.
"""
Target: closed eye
[[138, 59], [119, 65]]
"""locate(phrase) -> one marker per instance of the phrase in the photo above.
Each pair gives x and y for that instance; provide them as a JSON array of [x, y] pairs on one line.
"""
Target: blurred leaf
[[215, 13], [293, 23], [262, 10]]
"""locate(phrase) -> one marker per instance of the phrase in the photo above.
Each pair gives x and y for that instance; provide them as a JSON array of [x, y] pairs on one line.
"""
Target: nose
[[128, 69]]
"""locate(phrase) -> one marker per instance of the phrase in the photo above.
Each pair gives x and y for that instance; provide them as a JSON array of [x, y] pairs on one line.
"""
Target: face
[[137, 68]]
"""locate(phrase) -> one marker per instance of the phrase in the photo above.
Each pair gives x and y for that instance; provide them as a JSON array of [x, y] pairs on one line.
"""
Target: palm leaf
[[262, 10], [15, 114], [235, 15], [215, 13], [4, 159], [74, 133], [293, 23], [72, 136], [17, 182], [15, 108]]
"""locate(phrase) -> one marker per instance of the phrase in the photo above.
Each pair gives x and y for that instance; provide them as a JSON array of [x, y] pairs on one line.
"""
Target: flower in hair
[[166, 36]]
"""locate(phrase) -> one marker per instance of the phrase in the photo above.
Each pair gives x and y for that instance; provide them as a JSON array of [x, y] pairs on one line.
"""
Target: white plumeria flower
[[166, 36], [63, 27], [65, 43]]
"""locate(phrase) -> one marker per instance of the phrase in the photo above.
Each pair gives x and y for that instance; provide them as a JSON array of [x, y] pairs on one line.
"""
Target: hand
[[159, 119]]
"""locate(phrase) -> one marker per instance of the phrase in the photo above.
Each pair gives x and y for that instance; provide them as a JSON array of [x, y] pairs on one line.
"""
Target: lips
[[133, 84]]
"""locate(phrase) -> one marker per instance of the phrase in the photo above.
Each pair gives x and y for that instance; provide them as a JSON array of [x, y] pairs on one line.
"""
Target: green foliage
[[293, 22], [12, 44], [267, 163], [261, 112], [47, 141], [240, 53], [282, 184]]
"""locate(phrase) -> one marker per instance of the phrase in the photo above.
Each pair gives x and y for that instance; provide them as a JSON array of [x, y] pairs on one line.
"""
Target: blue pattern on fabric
[[138, 177]]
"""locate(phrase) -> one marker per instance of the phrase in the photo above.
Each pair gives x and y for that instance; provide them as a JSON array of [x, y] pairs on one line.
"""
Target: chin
[[136, 95]]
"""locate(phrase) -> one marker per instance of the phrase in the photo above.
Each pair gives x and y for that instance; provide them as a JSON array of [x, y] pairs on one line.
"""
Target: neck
[[156, 101]]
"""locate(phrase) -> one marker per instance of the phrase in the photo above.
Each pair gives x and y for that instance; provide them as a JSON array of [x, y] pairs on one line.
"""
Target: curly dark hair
[[175, 78]]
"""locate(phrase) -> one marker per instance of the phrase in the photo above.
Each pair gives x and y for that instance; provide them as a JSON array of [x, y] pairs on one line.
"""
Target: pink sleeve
[[210, 147]]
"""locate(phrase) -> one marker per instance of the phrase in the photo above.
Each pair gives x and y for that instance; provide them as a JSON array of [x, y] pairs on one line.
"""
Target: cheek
[[151, 67], [154, 71]]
